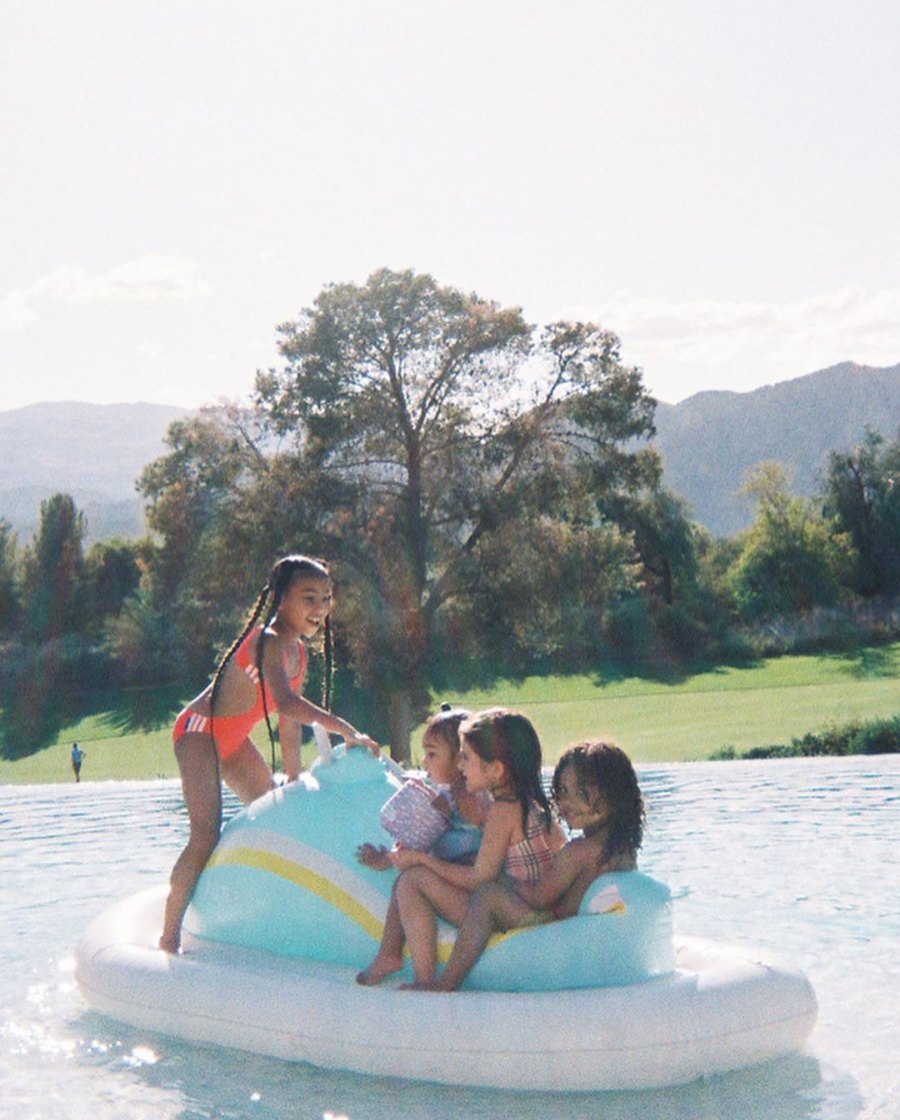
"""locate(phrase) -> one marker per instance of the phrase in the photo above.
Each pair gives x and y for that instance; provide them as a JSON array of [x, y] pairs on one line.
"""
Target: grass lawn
[[772, 702]]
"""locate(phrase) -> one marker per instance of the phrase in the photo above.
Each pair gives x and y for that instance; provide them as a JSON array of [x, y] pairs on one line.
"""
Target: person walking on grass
[[77, 757]]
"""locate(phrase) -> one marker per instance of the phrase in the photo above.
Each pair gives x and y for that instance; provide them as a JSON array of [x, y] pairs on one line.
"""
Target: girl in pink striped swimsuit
[[500, 753]]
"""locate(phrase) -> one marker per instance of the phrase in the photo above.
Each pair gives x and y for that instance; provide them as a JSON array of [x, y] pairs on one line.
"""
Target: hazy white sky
[[717, 181]]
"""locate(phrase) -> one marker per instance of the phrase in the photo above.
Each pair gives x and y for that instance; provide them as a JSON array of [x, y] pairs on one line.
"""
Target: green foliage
[[112, 574], [418, 450], [41, 685], [880, 736], [485, 496], [145, 643], [862, 492], [53, 580], [10, 601], [664, 538], [537, 594], [792, 559]]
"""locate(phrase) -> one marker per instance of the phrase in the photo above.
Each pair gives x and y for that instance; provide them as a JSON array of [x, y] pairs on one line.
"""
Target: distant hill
[[93, 452], [709, 441]]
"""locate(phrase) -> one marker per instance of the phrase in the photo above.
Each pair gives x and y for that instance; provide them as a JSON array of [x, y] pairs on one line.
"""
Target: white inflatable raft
[[279, 927]]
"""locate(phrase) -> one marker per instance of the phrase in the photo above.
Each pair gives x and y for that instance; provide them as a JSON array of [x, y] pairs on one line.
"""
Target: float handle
[[323, 743]]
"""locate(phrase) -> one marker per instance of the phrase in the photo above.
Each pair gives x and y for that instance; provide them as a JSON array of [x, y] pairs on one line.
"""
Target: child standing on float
[[499, 753], [262, 672]]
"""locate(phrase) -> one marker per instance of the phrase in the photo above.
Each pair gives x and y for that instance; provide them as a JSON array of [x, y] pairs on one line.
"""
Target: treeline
[[486, 495]]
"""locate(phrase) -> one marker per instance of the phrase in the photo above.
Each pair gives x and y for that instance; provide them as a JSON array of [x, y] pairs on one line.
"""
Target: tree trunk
[[401, 722]]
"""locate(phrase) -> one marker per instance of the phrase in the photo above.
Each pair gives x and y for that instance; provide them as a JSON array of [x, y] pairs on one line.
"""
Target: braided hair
[[266, 607], [498, 734]]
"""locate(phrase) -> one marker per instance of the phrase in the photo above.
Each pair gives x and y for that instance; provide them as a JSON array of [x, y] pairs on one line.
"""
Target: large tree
[[424, 426]]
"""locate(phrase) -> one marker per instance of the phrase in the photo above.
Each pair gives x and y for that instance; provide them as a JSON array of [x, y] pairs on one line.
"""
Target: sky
[[716, 181]]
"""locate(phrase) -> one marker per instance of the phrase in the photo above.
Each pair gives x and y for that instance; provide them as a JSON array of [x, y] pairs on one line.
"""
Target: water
[[800, 856]]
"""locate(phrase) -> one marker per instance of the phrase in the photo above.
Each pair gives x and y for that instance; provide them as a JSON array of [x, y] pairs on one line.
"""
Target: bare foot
[[169, 946], [378, 969]]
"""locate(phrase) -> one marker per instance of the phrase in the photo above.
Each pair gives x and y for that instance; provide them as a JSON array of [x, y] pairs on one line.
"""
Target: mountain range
[[94, 452], [710, 440], [707, 443]]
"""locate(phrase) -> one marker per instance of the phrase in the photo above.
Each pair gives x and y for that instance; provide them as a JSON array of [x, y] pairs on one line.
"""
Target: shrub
[[880, 736]]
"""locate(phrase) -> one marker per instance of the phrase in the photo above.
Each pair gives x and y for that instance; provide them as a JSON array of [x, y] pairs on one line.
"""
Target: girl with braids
[[499, 753], [261, 672], [597, 793]]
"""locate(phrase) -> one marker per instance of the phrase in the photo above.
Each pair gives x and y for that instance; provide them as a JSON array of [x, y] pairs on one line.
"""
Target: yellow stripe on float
[[303, 877]]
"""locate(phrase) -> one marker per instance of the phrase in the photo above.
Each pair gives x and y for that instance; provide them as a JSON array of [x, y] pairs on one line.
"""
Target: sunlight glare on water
[[799, 856]]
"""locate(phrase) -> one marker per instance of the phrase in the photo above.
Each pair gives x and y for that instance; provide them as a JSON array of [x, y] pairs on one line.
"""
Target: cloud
[[684, 346], [15, 314], [149, 279]]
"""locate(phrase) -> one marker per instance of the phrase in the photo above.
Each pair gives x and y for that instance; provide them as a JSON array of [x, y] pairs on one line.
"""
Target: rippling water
[[798, 855]]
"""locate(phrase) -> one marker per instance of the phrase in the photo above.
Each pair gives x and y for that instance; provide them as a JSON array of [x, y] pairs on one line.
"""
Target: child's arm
[[495, 840], [567, 864], [289, 734], [299, 708]]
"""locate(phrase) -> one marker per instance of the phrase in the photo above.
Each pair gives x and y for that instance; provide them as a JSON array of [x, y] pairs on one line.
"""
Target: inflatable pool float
[[283, 917]]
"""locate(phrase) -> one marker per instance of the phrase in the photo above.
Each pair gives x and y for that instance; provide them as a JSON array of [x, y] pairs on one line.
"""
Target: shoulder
[[500, 814], [247, 646], [275, 644], [583, 856], [581, 850]]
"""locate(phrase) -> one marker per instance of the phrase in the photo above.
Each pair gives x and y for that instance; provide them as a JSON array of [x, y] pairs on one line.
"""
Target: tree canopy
[[863, 493], [426, 423]]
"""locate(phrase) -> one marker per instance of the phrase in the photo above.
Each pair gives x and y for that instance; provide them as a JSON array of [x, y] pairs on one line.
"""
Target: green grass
[[768, 703], [739, 707]]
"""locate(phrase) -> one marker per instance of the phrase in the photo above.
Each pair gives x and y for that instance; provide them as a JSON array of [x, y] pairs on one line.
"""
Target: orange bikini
[[230, 731]]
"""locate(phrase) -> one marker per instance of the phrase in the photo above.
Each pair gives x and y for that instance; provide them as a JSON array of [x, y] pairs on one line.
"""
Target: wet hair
[[444, 725], [266, 606], [602, 769], [500, 735]]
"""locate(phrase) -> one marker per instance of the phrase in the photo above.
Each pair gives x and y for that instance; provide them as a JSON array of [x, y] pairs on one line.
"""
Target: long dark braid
[[328, 671], [280, 578]]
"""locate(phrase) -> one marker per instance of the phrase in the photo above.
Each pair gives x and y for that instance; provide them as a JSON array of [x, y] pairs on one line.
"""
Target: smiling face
[[306, 604], [584, 810]]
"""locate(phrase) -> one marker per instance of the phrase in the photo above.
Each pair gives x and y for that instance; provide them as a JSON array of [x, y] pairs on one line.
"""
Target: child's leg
[[199, 768], [390, 952], [493, 908], [247, 772], [422, 897]]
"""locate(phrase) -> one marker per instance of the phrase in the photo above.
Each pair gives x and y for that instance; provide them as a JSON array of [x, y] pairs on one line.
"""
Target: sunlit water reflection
[[800, 856]]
